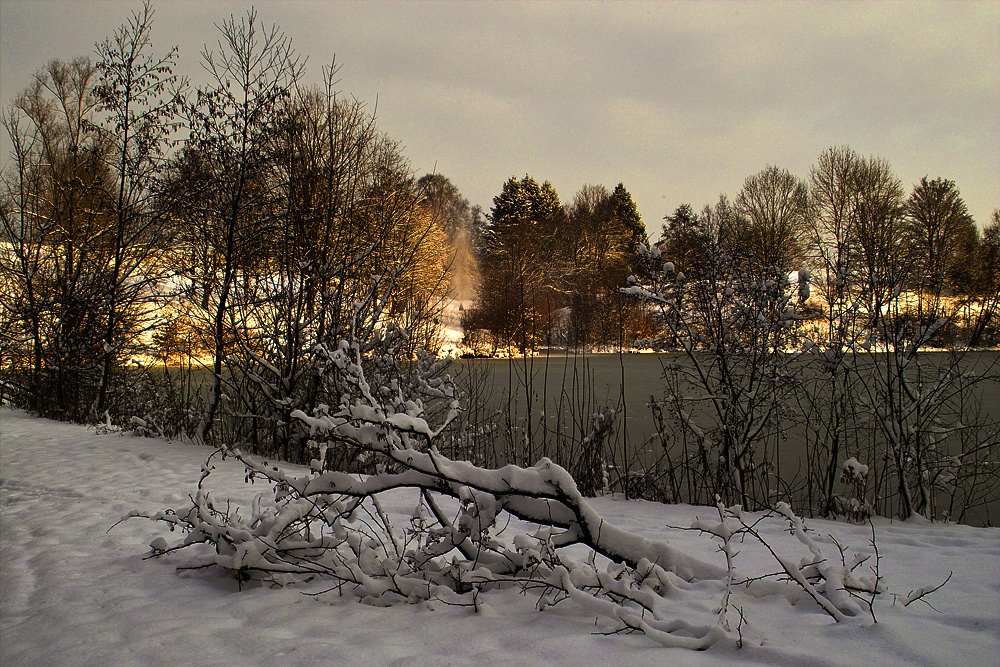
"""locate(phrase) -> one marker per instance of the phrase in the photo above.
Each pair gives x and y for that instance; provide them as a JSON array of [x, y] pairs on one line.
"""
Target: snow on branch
[[472, 529]]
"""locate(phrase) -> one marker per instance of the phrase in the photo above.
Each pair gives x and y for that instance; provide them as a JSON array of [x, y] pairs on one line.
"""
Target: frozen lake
[[568, 389]]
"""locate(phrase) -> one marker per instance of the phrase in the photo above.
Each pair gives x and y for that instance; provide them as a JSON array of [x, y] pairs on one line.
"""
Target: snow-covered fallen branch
[[472, 529]]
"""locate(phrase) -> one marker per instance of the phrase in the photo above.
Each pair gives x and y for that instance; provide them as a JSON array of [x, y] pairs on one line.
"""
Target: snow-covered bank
[[74, 594]]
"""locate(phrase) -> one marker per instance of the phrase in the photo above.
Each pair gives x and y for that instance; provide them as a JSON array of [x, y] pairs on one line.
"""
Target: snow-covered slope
[[73, 593]]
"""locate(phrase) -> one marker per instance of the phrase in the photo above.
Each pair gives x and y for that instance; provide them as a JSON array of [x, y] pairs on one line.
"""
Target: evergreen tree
[[515, 296], [541, 258], [683, 239], [522, 213], [627, 215]]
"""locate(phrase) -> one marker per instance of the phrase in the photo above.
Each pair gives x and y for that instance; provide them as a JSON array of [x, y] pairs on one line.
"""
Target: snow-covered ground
[[73, 593]]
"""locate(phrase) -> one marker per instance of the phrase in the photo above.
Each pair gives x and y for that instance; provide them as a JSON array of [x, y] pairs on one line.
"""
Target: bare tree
[[833, 185], [773, 205], [737, 327], [23, 261], [344, 211], [55, 237], [829, 415], [453, 213], [140, 95], [882, 253], [913, 402], [331, 526], [232, 123]]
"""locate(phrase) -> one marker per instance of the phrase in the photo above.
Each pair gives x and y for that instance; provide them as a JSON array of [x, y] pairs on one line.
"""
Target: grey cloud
[[679, 100]]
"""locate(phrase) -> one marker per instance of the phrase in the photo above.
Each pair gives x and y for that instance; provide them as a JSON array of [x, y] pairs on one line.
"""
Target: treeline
[[866, 246], [551, 274], [245, 222]]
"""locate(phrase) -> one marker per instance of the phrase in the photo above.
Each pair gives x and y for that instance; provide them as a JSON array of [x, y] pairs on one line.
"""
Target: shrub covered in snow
[[472, 530]]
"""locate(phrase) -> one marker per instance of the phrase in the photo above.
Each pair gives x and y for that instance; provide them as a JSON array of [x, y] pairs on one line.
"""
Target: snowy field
[[74, 593]]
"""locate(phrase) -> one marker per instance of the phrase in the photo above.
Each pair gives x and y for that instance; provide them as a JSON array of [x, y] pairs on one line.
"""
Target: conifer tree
[[515, 299], [627, 215]]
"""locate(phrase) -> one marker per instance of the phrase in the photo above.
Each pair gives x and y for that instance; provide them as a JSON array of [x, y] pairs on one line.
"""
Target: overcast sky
[[680, 101]]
